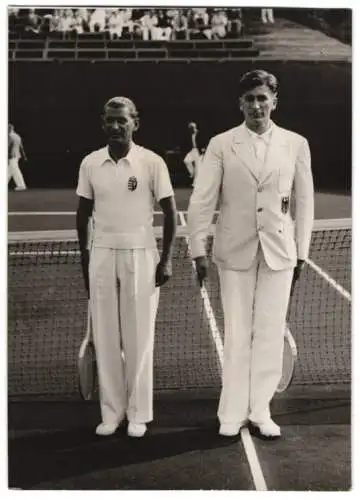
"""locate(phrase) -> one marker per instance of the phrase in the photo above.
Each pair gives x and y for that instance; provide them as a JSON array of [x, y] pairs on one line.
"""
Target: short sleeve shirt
[[124, 195]]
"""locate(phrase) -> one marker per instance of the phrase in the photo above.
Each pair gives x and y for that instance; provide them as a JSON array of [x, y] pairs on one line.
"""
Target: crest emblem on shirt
[[285, 202], [132, 183]]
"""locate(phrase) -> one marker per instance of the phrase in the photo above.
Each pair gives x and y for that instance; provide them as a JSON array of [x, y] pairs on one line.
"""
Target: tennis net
[[47, 315]]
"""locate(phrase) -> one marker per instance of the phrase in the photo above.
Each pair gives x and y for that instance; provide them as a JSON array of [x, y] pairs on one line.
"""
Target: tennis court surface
[[51, 432]]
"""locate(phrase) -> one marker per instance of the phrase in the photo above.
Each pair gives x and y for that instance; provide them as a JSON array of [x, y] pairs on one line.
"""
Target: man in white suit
[[252, 170]]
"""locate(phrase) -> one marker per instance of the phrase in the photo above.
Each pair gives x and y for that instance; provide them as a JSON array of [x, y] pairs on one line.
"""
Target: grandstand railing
[[100, 48]]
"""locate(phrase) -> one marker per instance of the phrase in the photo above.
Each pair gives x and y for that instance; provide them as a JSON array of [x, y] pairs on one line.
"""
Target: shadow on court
[[53, 446], [51, 457]]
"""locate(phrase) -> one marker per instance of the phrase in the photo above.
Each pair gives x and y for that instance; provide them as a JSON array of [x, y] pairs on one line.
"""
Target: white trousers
[[124, 302], [255, 302], [267, 15], [15, 173]]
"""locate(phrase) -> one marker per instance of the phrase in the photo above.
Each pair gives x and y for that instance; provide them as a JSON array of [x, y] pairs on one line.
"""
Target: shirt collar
[[266, 136], [130, 157]]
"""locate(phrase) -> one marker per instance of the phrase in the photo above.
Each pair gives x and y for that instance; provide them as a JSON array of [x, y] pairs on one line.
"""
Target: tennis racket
[[289, 359], [87, 363], [289, 354]]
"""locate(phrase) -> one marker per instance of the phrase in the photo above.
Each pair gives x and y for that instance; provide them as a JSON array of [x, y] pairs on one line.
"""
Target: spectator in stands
[[81, 21], [115, 24], [267, 16], [180, 26], [235, 23], [98, 20], [32, 23], [137, 24], [128, 23], [164, 28], [200, 20], [67, 22], [218, 24], [13, 19], [55, 23], [149, 23]]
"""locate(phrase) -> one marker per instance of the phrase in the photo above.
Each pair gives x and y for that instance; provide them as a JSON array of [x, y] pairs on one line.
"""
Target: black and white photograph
[[178, 270]]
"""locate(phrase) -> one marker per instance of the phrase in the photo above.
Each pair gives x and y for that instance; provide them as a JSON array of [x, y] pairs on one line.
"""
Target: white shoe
[[20, 189], [231, 429], [268, 428], [104, 429], [136, 430]]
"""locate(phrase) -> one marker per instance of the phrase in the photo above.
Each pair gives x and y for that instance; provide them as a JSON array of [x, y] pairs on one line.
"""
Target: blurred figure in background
[[267, 16], [235, 23], [115, 24], [192, 158], [128, 23], [180, 26], [149, 23], [32, 23], [218, 24], [13, 15], [15, 153], [98, 19], [164, 27]]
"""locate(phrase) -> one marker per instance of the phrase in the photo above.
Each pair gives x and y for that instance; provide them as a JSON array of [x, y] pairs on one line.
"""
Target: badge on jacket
[[285, 202], [132, 183]]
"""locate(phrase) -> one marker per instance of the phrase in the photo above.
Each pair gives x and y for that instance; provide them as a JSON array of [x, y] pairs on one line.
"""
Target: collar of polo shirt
[[266, 136], [131, 156]]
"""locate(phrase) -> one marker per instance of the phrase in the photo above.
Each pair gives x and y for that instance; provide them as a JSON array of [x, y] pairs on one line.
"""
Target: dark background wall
[[56, 108]]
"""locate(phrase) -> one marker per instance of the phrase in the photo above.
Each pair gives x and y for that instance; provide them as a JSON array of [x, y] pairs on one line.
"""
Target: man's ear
[[137, 124], [275, 102]]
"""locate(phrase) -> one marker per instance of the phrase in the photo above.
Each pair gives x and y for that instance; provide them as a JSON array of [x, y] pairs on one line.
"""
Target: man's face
[[119, 125], [257, 105]]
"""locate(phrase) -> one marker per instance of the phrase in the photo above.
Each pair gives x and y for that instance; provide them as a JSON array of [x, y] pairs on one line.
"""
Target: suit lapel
[[242, 147], [274, 155]]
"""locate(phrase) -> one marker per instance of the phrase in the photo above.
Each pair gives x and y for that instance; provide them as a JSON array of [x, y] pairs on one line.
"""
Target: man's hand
[[297, 271], [85, 269], [202, 267], [163, 272]]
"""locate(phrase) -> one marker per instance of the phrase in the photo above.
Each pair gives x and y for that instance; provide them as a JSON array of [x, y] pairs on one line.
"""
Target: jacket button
[[260, 189], [260, 209]]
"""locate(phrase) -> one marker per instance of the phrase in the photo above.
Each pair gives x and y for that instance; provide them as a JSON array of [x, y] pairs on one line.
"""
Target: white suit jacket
[[255, 200]]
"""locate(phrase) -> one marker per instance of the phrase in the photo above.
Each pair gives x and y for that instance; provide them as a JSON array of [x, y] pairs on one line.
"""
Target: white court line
[[329, 279], [15, 214], [39, 213], [249, 447]]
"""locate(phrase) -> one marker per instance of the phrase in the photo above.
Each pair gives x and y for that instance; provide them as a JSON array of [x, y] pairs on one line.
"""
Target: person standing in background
[[15, 153]]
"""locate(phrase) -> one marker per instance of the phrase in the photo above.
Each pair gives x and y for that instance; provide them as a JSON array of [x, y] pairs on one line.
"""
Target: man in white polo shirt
[[117, 187], [252, 170]]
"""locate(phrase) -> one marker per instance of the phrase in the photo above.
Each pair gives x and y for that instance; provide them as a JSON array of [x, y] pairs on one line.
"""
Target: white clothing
[[123, 216], [123, 261], [15, 173], [124, 320], [254, 303], [253, 196], [255, 249]]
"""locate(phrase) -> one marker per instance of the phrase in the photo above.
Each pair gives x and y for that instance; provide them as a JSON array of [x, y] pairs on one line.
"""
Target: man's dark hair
[[256, 78], [120, 102]]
